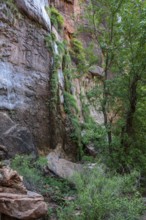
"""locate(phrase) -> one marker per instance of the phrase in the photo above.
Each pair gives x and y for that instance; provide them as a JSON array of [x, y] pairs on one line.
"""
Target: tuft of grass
[[78, 55], [56, 18]]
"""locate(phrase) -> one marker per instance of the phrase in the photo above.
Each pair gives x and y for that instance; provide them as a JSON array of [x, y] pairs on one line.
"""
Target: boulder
[[15, 201], [59, 165], [62, 167], [14, 139], [96, 71], [90, 148], [10, 178]]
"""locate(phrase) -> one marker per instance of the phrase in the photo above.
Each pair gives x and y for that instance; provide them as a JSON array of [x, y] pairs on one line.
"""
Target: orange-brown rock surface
[[10, 179], [70, 10], [15, 200]]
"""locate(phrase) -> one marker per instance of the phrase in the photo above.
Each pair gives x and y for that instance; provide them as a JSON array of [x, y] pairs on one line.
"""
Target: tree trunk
[[128, 129], [132, 108]]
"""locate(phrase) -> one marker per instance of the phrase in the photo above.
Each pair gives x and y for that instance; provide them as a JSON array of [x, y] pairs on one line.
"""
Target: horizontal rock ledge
[[29, 206], [15, 201]]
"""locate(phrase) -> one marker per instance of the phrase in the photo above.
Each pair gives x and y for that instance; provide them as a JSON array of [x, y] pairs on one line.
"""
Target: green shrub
[[92, 131], [31, 170], [77, 45], [70, 102], [91, 55], [34, 179], [70, 106], [50, 39], [68, 70], [61, 47], [104, 197], [78, 55]]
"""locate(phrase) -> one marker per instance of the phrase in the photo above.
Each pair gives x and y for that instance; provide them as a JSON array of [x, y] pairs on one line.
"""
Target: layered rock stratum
[[16, 201]]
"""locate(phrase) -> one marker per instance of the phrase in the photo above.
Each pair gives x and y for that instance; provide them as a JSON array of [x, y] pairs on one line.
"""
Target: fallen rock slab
[[62, 167]]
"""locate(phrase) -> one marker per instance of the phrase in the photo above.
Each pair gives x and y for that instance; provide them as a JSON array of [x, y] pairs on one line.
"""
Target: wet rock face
[[25, 68], [35, 9], [14, 139]]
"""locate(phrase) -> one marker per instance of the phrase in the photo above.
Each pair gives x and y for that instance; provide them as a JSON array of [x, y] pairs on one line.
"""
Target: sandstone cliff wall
[[25, 68], [25, 77]]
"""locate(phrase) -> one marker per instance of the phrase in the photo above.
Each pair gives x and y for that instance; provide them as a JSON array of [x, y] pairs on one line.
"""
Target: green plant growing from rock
[[78, 55], [63, 60], [57, 19], [68, 70], [50, 39], [57, 60], [71, 109], [91, 56], [54, 88], [70, 103], [93, 133], [13, 9], [61, 47]]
